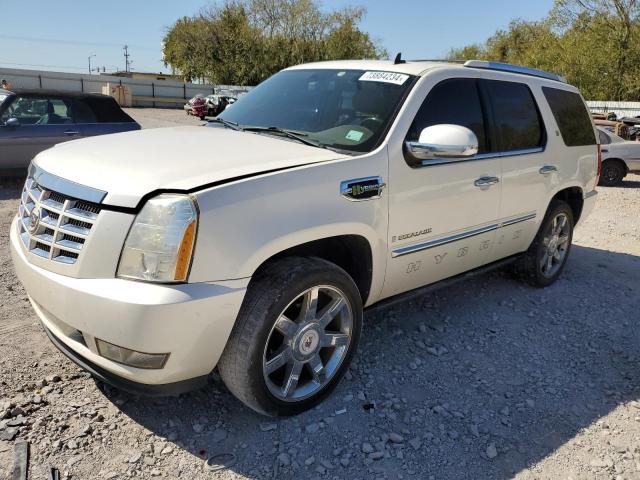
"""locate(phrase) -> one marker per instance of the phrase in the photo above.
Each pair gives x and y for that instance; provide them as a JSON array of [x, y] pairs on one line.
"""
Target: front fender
[[244, 223]]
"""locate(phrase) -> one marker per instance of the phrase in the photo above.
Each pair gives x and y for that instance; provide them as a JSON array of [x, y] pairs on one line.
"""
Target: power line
[[42, 66], [70, 42]]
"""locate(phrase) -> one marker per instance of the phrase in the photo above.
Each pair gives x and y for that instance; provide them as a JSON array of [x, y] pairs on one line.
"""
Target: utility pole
[[90, 56], [126, 58]]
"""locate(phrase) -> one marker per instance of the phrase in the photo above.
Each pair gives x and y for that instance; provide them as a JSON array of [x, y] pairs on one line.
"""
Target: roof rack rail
[[507, 67]]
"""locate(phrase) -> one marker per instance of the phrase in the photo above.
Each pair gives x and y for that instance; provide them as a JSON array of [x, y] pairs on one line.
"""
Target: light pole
[[89, 58]]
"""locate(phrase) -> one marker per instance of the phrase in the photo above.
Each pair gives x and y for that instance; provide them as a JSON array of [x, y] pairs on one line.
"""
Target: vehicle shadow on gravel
[[479, 380]]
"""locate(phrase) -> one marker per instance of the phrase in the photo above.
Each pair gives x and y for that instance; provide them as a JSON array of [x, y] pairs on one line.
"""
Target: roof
[[421, 67], [62, 93], [409, 68]]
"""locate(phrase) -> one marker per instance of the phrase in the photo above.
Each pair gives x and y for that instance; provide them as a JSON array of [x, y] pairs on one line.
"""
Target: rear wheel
[[613, 171], [545, 259], [296, 333]]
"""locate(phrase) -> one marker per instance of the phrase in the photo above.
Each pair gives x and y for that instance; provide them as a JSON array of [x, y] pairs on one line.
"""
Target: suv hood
[[130, 165]]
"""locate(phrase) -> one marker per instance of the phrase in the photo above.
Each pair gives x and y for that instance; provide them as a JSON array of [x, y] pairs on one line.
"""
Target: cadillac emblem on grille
[[34, 220]]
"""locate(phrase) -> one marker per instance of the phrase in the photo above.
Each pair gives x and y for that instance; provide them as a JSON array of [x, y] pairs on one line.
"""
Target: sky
[[61, 35]]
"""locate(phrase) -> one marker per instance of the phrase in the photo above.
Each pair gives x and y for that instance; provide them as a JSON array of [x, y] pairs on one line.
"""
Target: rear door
[[528, 176], [44, 122]]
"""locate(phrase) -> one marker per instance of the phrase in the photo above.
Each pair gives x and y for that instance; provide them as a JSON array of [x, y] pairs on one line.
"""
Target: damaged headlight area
[[160, 244]]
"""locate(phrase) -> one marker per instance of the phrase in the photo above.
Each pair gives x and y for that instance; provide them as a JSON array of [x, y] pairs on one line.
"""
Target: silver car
[[33, 120]]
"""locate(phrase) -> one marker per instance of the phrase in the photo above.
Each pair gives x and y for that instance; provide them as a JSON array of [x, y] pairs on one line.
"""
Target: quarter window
[[516, 117], [455, 102], [571, 116], [604, 138]]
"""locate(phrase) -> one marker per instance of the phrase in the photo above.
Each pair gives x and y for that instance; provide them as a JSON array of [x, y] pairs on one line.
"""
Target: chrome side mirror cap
[[444, 142], [12, 122]]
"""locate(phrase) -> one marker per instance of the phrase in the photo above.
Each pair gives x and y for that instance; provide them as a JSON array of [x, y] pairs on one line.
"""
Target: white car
[[619, 158], [333, 187]]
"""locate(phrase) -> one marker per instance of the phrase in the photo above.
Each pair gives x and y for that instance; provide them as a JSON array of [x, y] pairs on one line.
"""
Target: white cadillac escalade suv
[[332, 187]]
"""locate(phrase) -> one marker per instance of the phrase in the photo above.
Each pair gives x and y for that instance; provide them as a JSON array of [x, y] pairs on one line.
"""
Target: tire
[[534, 265], [613, 171], [275, 303]]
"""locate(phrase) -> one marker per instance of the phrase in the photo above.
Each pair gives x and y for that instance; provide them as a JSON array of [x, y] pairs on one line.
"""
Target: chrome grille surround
[[53, 225]]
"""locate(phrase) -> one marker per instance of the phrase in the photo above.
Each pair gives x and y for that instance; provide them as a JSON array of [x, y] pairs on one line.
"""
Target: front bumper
[[191, 322]]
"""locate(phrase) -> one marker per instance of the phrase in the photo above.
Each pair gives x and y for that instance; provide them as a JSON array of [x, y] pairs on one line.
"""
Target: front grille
[[53, 225]]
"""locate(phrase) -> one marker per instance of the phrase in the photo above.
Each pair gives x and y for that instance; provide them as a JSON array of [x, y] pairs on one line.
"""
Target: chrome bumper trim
[[66, 187]]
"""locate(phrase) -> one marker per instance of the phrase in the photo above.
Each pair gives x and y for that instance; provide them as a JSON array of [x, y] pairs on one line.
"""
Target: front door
[[442, 213]]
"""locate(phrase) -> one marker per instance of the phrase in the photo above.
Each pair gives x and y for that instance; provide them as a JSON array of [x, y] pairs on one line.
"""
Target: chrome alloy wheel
[[308, 343], [555, 245]]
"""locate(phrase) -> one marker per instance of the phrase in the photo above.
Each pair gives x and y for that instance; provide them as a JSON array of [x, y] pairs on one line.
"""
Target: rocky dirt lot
[[487, 379]]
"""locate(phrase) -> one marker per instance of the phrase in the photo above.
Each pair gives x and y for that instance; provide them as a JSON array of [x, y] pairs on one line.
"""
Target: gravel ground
[[488, 379]]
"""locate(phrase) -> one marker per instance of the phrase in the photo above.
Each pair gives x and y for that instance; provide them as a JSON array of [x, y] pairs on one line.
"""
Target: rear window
[[571, 116], [517, 120], [107, 110]]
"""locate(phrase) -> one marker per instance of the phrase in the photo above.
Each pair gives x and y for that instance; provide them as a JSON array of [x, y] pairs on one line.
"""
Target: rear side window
[[516, 116], [571, 116], [107, 110], [455, 102]]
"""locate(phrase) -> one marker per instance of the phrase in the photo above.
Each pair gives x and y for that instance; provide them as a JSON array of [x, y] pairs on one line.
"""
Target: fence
[[621, 109], [168, 93]]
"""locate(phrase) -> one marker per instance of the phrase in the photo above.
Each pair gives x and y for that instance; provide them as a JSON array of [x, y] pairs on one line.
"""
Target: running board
[[447, 282]]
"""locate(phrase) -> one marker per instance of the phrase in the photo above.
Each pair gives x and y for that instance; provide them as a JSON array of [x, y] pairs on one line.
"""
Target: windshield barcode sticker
[[385, 77]]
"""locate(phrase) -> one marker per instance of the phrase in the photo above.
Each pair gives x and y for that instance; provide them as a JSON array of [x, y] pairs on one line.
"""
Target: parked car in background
[[619, 158], [34, 120], [218, 104]]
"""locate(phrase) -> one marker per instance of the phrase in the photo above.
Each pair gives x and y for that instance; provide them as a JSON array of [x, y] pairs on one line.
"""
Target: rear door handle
[[486, 181], [547, 169], [71, 132]]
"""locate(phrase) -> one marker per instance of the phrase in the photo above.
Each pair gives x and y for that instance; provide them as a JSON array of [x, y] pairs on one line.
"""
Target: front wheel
[[294, 337], [547, 256]]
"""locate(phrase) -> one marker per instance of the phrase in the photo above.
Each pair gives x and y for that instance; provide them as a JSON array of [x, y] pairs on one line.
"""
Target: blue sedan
[[33, 120]]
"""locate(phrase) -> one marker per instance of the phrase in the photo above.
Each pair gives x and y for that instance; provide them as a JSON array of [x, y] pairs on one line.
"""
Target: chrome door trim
[[436, 242], [66, 187], [482, 156]]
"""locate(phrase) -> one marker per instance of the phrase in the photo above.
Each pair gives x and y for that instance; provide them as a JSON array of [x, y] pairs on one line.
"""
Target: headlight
[[161, 240]]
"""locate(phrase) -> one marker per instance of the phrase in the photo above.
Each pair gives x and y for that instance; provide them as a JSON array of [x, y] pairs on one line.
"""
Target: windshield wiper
[[226, 123], [294, 135]]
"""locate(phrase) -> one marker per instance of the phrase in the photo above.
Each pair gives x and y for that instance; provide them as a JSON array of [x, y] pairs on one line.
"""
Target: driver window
[[455, 102]]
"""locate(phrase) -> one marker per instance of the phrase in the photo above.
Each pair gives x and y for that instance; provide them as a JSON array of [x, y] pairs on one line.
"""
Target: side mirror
[[444, 142], [12, 122]]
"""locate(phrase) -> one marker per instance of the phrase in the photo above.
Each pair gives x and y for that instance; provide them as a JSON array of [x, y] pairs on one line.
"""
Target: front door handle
[[71, 132], [547, 169], [486, 181]]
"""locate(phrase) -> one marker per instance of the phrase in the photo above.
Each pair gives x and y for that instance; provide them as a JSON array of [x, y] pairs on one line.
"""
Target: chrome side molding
[[436, 242]]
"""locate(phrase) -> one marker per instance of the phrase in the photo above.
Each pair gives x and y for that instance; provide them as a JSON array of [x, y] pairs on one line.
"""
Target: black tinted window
[[455, 102], [571, 116], [107, 110], [517, 120]]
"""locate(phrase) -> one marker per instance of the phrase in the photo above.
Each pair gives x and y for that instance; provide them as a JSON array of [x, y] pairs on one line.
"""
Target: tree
[[590, 42], [245, 41]]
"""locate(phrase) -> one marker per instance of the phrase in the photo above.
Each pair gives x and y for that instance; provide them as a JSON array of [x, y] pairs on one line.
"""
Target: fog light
[[131, 357]]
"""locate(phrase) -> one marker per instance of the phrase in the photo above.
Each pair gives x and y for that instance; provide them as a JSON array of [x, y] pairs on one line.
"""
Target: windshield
[[341, 109]]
